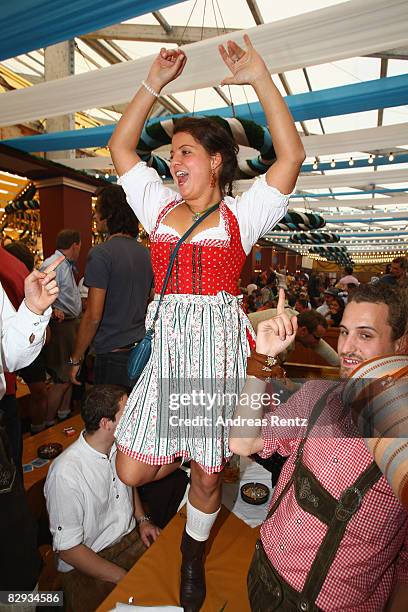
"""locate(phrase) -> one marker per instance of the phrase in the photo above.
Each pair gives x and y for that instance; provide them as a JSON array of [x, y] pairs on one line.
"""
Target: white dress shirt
[[22, 336], [86, 501]]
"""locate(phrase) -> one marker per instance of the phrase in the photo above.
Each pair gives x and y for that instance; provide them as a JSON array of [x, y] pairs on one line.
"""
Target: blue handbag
[[140, 354]]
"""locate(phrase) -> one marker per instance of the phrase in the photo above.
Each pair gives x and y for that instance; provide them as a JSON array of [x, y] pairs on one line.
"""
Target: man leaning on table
[[336, 537], [93, 515], [22, 335]]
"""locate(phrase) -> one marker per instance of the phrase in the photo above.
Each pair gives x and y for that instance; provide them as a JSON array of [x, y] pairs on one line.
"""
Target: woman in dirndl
[[202, 336]]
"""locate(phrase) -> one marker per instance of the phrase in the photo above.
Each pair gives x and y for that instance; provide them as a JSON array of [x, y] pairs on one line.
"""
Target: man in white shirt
[[23, 332], [93, 515], [22, 335]]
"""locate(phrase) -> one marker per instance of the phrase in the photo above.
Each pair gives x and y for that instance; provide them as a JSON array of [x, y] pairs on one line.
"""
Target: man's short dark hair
[[102, 401], [392, 296], [348, 270], [112, 207], [67, 237], [311, 319]]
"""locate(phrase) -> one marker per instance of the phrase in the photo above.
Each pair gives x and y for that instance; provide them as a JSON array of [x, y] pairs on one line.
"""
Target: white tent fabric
[[370, 139], [345, 179], [361, 203], [350, 29]]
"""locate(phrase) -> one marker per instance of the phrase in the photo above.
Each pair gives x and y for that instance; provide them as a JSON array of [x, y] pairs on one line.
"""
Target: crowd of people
[[318, 550]]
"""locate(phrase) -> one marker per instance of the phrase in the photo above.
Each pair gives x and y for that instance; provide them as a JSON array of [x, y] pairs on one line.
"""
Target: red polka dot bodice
[[205, 267]]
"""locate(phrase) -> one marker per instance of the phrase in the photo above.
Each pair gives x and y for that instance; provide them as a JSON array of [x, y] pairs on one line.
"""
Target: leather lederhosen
[[267, 590]]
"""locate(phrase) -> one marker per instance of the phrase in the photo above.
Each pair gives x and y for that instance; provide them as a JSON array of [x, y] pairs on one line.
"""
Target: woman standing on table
[[202, 332]]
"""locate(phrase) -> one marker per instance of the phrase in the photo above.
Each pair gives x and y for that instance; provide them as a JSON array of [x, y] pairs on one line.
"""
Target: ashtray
[[50, 450], [254, 493]]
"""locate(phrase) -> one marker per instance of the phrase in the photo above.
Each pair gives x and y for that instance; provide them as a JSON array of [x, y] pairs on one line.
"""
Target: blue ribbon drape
[[31, 24], [370, 95]]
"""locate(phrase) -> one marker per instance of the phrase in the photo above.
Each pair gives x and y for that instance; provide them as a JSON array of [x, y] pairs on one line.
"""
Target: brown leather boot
[[192, 587]]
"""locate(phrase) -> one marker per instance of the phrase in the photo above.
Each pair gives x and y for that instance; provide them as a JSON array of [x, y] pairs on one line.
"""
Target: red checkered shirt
[[373, 553]]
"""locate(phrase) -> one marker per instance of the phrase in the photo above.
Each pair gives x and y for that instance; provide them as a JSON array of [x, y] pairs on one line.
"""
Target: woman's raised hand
[[167, 66], [246, 66]]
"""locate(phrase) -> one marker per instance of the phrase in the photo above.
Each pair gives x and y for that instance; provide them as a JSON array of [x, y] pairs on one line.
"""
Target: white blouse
[[257, 210]]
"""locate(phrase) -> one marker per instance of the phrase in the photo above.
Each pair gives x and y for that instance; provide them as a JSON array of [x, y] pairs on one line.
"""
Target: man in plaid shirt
[[336, 537]]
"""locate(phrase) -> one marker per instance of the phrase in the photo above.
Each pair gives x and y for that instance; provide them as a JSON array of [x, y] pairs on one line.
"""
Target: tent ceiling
[[113, 46]]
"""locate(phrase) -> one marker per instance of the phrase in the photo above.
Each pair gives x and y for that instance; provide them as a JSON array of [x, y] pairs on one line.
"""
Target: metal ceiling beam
[[222, 95], [383, 74], [153, 33], [118, 50], [256, 13], [101, 50], [164, 24], [400, 54]]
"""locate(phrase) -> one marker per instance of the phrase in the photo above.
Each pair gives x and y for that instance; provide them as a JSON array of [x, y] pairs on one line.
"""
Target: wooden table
[[154, 579], [34, 481]]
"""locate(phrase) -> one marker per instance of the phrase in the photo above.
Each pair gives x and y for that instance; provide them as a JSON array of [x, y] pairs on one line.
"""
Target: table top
[[52, 434], [155, 578]]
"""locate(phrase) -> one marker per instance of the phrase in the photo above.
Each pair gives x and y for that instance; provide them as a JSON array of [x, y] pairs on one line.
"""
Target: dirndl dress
[[202, 337], [181, 404]]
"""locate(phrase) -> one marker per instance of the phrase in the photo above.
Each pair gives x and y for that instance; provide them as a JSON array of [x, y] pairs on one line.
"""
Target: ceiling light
[[106, 175], [351, 161], [371, 159], [97, 176], [332, 164], [315, 165], [391, 157]]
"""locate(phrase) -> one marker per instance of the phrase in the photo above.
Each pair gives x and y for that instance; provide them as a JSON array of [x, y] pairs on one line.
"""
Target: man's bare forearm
[[88, 562]]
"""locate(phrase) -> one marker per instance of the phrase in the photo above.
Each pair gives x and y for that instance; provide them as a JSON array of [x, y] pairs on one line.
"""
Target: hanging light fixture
[[351, 161], [332, 164], [315, 165], [391, 157], [371, 159]]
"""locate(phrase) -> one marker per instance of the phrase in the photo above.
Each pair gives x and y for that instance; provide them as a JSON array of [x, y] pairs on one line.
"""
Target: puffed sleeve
[[146, 194], [258, 210]]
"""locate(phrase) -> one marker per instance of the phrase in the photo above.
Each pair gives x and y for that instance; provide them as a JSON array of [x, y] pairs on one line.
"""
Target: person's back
[[123, 268]]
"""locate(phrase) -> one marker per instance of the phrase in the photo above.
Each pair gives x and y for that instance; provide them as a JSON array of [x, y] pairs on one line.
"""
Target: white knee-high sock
[[199, 523]]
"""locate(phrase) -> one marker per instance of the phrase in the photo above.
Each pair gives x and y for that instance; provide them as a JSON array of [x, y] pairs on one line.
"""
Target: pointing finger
[[280, 309], [54, 264], [248, 42]]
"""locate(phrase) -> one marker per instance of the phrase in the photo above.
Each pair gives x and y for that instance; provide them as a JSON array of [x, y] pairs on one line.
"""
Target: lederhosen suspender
[[267, 589]]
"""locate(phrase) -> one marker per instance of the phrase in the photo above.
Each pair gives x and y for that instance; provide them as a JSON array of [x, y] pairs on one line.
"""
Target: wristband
[[264, 367], [143, 519], [150, 89]]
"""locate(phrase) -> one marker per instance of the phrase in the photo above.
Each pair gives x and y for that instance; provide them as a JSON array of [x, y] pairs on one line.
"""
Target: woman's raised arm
[[167, 66], [248, 67]]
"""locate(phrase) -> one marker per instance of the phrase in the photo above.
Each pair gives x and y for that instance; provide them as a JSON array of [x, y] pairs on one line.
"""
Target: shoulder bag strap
[[174, 254]]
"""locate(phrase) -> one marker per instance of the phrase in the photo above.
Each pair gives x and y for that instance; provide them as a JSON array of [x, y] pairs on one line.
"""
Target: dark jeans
[[111, 369], [10, 419]]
